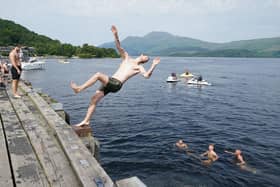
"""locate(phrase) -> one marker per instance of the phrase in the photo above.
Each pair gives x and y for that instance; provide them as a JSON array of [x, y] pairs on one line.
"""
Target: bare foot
[[82, 124], [75, 88], [17, 96]]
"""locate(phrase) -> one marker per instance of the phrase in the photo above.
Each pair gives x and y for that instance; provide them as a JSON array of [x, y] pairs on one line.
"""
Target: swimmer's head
[[211, 147], [17, 48], [180, 141], [143, 59], [238, 151]]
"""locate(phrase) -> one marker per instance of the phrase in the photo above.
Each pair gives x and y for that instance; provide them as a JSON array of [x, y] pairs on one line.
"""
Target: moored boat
[[32, 63], [197, 81]]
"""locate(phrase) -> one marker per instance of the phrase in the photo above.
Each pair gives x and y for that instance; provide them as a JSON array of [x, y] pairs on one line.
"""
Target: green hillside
[[12, 34], [165, 44]]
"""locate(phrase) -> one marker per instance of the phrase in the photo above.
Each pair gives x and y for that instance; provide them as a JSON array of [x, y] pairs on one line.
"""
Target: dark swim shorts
[[113, 85], [15, 75]]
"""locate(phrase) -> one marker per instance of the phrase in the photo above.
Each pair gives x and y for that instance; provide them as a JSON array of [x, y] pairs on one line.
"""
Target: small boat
[[186, 75], [32, 63], [172, 78], [196, 81], [63, 61]]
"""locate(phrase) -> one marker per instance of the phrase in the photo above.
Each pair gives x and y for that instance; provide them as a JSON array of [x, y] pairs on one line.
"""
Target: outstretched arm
[[147, 74], [204, 154], [229, 152], [122, 52]]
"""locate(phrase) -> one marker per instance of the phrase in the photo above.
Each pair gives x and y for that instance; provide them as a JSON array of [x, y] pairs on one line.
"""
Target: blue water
[[138, 126]]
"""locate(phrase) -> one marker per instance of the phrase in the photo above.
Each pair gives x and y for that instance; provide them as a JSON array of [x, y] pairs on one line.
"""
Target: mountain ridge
[[166, 44]]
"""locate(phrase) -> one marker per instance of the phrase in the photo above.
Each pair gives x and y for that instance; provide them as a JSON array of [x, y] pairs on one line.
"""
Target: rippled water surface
[[138, 126]]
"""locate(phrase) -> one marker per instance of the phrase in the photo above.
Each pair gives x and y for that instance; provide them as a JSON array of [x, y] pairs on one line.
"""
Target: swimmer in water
[[239, 160], [211, 155], [181, 144], [238, 157]]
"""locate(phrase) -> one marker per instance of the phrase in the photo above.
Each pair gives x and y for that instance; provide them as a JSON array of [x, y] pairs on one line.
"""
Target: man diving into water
[[128, 68]]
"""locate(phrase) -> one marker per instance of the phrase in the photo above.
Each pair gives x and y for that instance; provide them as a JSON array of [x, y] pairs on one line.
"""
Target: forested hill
[[165, 44], [12, 34]]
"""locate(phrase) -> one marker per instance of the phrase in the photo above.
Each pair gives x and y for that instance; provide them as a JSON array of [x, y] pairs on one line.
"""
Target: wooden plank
[[47, 149], [88, 170], [130, 182], [82, 131], [5, 170], [25, 166]]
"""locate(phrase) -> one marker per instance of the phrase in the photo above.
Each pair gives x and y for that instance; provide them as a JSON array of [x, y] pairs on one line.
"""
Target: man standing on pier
[[15, 70], [128, 68]]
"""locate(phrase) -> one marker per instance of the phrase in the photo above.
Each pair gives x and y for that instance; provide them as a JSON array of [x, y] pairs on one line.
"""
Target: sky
[[89, 21]]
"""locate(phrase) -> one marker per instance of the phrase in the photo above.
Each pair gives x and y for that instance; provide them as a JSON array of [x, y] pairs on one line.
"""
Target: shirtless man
[[15, 70], [238, 157], [211, 155], [128, 68], [181, 144]]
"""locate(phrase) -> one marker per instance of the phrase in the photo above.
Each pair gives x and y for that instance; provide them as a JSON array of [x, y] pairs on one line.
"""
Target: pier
[[38, 148]]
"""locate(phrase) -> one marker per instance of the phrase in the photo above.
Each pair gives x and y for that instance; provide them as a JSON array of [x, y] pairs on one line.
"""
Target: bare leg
[[94, 100], [15, 88], [97, 76]]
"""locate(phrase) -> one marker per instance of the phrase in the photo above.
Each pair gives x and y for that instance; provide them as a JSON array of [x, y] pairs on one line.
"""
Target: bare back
[[212, 155]]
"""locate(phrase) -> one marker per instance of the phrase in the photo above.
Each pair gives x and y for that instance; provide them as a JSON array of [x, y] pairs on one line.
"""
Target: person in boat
[[199, 78], [174, 76], [187, 72], [211, 155], [181, 144], [238, 156], [15, 70], [128, 68]]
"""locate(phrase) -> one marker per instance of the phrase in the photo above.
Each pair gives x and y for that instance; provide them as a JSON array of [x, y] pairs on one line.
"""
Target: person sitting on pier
[[4, 67], [238, 157], [128, 68], [211, 155], [15, 70], [181, 144]]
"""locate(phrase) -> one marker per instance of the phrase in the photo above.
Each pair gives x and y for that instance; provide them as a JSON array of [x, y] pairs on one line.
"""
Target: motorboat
[[32, 63], [186, 75], [196, 81], [172, 78], [63, 61]]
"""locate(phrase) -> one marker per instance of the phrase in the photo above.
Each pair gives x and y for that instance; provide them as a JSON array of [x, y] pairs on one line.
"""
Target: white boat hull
[[171, 79], [196, 82], [32, 65], [63, 61]]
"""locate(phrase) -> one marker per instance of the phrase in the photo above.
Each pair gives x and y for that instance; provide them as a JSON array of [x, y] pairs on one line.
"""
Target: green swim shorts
[[113, 86]]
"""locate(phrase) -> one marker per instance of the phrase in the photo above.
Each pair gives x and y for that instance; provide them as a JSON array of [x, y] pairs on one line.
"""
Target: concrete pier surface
[[38, 147]]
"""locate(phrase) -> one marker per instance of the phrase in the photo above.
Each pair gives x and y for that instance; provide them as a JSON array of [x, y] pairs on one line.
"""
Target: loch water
[[138, 126]]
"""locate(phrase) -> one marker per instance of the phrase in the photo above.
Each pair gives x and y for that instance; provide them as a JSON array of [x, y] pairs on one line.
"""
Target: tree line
[[12, 34]]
